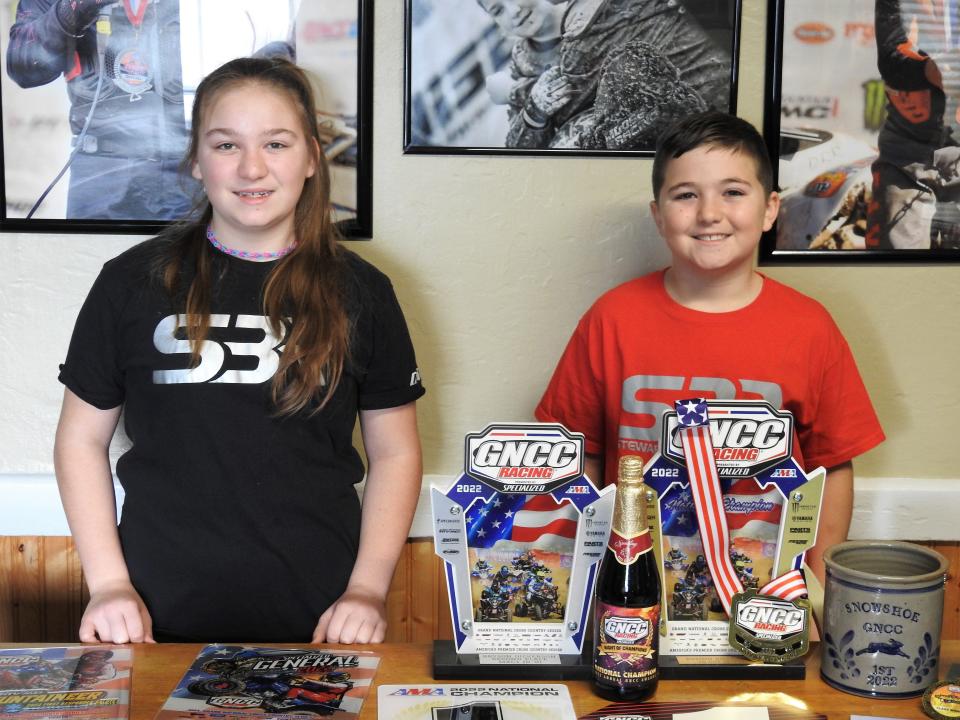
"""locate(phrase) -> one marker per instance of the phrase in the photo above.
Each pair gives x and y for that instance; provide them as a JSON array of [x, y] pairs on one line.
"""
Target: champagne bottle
[[627, 597]]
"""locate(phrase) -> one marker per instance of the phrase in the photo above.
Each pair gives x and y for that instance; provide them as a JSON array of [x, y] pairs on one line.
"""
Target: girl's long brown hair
[[305, 286]]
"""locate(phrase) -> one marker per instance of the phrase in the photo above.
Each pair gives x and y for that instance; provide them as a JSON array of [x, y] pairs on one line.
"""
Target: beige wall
[[494, 259]]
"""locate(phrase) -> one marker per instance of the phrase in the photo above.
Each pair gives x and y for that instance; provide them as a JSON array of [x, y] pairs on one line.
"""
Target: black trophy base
[[448, 665], [727, 667]]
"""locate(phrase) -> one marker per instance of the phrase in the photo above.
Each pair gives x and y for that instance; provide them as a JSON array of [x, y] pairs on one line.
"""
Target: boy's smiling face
[[712, 210]]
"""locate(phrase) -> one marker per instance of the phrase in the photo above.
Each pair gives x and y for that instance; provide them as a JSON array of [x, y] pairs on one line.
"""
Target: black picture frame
[[357, 132], [478, 50], [786, 140]]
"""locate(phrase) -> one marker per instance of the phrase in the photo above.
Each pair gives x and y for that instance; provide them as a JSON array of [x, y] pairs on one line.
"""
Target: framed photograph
[[574, 77], [862, 124], [96, 103]]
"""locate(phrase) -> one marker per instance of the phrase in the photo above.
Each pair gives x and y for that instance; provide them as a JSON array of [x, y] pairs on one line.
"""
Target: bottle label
[[626, 646], [628, 549]]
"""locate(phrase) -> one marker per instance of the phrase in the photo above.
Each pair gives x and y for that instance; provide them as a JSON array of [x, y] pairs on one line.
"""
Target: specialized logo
[[814, 33], [748, 437], [626, 630], [534, 458], [768, 618]]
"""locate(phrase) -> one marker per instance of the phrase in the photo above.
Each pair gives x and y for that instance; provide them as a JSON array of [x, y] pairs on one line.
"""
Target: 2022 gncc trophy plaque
[[736, 514], [521, 533]]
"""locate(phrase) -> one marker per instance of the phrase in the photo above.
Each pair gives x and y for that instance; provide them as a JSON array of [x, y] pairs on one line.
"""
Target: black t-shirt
[[236, 525]]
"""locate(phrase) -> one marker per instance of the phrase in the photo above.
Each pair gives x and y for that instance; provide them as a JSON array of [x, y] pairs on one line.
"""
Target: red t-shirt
[[637, 350]]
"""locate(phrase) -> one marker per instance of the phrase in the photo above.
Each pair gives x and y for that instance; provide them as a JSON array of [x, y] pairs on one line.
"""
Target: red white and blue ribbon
[[694, 430]]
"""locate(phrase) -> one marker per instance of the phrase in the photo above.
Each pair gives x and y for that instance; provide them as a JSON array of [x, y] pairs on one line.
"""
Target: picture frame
[[103, 186], [825, 107], [480, 80]]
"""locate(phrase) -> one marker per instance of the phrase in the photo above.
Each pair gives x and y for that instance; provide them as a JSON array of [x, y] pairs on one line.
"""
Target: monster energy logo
[[874, 104]]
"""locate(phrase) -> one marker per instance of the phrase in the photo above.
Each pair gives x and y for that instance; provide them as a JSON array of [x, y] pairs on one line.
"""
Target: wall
[[494, 259]]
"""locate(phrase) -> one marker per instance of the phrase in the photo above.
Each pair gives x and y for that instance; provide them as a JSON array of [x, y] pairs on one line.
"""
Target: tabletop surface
[[157, 668]]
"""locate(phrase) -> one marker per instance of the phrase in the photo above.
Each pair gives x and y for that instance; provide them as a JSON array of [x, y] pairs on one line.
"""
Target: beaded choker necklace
[[246, 254]]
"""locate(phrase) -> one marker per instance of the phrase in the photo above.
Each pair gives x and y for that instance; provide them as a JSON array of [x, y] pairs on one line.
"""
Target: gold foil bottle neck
[[630, 469], [630, 509]]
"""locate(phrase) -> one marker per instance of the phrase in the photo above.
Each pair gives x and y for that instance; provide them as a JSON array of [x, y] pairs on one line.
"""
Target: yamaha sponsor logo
[[814, 33], [748, 437], [626, 630], [769, 618], [533, 458]]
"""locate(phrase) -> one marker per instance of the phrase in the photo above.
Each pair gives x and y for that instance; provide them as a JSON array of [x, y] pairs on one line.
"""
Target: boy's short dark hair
[[715, 129]]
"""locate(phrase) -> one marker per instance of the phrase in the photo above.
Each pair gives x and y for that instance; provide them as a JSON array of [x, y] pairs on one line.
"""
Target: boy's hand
[[356, 617], [550, 93], [116, 614]]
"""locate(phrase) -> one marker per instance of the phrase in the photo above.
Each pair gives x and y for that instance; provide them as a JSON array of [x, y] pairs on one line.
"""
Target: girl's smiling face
[[253, 159]]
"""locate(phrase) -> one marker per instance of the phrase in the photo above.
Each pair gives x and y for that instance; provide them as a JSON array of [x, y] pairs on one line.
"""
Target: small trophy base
[[448, 665], [727, 667]]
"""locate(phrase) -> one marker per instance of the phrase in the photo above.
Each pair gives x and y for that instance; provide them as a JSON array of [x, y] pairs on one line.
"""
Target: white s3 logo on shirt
[[213, 353]]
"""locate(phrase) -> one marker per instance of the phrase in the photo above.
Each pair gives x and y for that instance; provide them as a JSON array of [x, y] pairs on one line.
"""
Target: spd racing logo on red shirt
[[748, 437], [534, 458]]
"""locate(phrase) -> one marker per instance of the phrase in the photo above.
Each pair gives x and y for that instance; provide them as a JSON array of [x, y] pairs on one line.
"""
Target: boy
[[709, 325]]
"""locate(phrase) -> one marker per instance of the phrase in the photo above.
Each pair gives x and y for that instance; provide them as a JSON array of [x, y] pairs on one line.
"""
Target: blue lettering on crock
[[882, 675], [876, 608], [883, 628]]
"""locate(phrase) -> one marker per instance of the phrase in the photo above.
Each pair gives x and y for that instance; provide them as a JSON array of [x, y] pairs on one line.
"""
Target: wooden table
[[157, 668]]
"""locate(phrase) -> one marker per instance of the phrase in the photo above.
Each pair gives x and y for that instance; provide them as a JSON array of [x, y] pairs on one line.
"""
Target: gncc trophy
[[736, 514], [520, 533]]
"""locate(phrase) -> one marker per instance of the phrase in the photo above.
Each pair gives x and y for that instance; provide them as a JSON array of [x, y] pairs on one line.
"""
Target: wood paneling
[[42, 594]]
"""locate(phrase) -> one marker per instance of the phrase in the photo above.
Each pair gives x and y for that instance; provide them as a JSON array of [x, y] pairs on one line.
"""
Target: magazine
[[227, 681], [474, 702], [56, 683]]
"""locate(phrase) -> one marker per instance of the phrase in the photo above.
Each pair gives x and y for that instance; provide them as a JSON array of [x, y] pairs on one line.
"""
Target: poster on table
[[58, 683], [235, 681]]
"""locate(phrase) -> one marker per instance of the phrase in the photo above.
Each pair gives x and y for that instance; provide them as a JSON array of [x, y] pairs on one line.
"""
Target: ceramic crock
[[883, 606]]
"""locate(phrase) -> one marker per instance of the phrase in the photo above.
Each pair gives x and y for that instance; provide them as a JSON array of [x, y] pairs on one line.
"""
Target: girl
[[241, 347]]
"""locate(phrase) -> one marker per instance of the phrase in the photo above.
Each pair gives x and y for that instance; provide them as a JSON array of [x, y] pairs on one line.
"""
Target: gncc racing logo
[[748, 437], [234, 701], [13, 660], [769, 618], [534, 458], [626, 630]]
